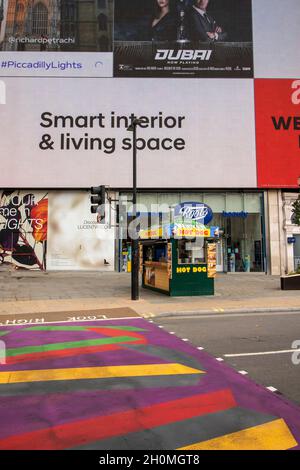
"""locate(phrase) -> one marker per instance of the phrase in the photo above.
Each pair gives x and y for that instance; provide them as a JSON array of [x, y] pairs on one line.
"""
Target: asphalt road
[[226, 334]]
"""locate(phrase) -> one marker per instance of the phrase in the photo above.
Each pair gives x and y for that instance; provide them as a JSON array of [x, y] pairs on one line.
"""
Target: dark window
[[103, 44], [102, 22], [40, 19]]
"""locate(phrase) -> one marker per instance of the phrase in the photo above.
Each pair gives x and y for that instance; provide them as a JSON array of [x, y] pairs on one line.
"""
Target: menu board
[[211, 260]]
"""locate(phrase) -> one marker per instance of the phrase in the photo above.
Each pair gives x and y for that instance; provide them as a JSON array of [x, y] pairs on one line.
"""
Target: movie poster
[[183, 38]]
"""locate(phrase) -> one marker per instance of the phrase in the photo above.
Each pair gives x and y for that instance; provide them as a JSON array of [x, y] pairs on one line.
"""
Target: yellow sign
[[182, 231], [191, 269], [151, 233]]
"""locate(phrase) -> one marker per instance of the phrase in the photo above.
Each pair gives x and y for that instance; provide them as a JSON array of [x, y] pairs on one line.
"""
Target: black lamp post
[[135, 239]]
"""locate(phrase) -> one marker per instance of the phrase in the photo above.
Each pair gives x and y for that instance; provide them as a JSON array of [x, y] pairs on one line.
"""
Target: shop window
[[191, 251]]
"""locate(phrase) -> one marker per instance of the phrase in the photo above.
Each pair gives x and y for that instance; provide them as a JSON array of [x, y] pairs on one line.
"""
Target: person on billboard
[[202, 26], [164, 23]]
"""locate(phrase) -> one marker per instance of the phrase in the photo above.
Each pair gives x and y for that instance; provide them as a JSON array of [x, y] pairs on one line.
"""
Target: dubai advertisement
[[278, 132], [183, 38]]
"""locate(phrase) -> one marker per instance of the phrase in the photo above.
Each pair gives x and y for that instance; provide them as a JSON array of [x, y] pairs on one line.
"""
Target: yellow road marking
[[96, 373], [270, 436]]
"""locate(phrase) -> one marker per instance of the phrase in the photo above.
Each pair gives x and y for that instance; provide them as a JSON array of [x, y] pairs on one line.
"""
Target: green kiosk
[[179, 259]]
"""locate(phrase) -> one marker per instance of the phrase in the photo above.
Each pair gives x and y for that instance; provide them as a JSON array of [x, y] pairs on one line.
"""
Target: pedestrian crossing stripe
[[141, 370], [269, 436]]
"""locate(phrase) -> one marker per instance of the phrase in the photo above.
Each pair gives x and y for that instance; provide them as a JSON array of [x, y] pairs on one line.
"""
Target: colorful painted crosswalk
[[126, 385]]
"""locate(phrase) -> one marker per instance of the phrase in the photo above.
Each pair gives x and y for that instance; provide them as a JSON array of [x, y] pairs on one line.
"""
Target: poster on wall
[[183, 38], [51, 37], [277, 104], [23, 229], [76, 241], [77, 136]]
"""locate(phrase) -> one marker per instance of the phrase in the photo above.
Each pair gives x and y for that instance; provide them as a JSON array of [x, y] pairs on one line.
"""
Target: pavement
[[129, 385], [93, 293]]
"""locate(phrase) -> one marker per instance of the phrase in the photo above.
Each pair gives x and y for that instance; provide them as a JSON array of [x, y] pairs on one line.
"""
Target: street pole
[[135, 239]]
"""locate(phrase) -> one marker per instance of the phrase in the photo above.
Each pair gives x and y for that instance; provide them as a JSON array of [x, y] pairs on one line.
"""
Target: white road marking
[[265, 353], [185, 339], [243, 372], [75, 321], [272, 389], [220, 359], [200, 349], [198, 315]]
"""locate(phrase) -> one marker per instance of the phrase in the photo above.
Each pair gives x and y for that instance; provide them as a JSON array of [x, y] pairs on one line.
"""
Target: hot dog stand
[[179, 259]]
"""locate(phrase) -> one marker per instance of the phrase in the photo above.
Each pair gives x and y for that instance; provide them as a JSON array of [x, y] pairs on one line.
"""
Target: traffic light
[[98, 202]]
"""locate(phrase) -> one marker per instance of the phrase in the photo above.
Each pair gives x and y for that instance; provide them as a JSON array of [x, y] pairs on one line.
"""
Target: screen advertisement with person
[[198, 38]]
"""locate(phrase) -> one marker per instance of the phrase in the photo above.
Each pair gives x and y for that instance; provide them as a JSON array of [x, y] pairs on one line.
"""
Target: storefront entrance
[[241, 246]]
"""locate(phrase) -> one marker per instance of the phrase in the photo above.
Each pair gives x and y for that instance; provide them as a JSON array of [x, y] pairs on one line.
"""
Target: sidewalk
[[36, 292]]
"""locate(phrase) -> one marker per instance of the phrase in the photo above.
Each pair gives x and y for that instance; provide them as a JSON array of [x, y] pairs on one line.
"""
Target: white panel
[[75, 241], [276, 38], [218, 130], [56, 64]]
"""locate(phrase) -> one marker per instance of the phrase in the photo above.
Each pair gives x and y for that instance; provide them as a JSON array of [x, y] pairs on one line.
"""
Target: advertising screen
[[190, 38], [56, 38], [193, 134], [278, 132]]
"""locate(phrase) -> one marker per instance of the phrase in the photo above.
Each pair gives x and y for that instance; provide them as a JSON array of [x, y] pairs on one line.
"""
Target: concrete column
[[276, 233]]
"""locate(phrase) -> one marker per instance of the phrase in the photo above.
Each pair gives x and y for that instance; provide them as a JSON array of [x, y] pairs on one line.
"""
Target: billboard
[[75, 240], [54, 38], [23, 229], [52, 230], [183, 38], [278, 132], [194, 134], [276, 38]]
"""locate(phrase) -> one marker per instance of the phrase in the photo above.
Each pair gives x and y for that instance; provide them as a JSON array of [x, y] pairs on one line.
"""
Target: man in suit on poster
[[202, 26]]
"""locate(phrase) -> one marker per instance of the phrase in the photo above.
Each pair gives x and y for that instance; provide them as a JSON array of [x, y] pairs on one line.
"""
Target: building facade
[[220, 125]]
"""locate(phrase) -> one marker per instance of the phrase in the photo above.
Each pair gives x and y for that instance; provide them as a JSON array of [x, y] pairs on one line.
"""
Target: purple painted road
[[34, 410]]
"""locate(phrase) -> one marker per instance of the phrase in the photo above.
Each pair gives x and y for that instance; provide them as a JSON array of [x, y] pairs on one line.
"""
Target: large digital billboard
[[278, 132], [183, 38], [56, 38], [193, 134], [276, 38]]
